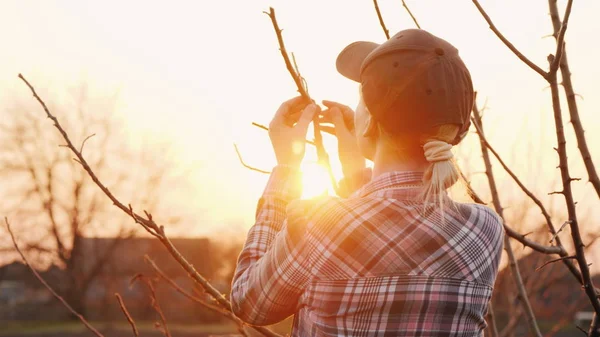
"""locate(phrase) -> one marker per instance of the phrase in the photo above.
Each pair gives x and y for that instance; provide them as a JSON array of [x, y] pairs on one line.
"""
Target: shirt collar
[[394, 184]]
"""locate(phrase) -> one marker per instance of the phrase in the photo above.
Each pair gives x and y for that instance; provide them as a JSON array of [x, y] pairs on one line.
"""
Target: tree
[[55, 202]]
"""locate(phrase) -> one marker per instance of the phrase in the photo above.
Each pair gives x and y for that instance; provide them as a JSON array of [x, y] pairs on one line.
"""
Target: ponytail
[[441, 174]]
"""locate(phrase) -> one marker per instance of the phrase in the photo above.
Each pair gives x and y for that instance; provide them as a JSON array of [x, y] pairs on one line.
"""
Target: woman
[[394, 256]]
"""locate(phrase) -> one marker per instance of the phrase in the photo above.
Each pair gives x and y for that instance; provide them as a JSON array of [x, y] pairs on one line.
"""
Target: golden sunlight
[[315, 180]]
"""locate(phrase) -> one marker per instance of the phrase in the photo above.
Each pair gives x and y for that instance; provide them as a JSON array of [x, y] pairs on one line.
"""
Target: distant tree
[[55, 202]]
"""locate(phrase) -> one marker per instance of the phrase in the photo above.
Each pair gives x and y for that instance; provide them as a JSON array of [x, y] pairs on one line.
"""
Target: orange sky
[[197, 73]]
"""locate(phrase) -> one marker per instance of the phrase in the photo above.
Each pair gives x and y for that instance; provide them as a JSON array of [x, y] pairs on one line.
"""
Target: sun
[[315, 180]]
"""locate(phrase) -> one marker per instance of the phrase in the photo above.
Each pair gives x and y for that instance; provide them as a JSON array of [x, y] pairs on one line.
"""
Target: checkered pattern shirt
[[378, 263]]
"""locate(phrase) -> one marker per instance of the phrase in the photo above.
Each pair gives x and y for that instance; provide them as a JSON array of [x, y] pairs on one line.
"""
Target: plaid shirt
[[378, 263]]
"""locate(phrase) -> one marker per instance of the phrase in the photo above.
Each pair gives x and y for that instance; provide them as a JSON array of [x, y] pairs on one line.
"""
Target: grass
[[33, 328], [36, 327]]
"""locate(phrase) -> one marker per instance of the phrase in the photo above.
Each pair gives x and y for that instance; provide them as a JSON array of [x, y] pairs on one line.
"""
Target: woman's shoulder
[[483, 217]]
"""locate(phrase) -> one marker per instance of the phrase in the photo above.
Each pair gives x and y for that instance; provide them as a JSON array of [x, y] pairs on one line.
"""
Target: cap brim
[[350, 60]]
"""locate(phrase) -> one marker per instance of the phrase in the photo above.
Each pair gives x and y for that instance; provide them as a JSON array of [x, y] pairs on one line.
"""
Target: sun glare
[[315, 180]]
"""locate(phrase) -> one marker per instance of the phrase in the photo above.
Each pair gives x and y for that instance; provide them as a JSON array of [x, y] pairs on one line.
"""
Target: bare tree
[[57, 204]]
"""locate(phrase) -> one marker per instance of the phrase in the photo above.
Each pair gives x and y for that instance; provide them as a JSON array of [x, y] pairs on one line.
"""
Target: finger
[[328, 129], [307, 116], [347, 112], [288, 106], [338, 121]]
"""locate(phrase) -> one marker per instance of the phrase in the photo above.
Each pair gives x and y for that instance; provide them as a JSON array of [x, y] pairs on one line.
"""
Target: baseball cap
[[411, 82]]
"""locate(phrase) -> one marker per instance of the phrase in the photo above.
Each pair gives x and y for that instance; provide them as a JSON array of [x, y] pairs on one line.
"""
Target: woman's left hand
[[288, 130]]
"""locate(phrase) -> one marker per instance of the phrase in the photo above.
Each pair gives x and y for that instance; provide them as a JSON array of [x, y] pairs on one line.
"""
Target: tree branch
[[155, 304], [587, 282], [193, 298], [381, 22], [411, 14], [147, 223], [127, 315], [39, 277], [560, 40], [567, 84], [555, 260], [321, 152], [507, 43], [246, 165], [531, 320]]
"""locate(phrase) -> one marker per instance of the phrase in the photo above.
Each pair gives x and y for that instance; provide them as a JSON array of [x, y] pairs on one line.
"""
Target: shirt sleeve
[[272, 269]]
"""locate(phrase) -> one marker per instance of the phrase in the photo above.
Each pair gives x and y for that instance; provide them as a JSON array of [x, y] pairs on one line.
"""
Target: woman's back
[[385, 265]]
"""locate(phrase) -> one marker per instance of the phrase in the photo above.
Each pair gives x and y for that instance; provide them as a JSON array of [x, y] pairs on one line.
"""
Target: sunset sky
[[197, 73]]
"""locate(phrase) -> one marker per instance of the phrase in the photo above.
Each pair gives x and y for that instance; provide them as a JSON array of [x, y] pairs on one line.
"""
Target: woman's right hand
[[342, 118]]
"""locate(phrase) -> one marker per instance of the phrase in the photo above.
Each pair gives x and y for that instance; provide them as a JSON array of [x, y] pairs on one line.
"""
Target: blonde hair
[[443, 173]]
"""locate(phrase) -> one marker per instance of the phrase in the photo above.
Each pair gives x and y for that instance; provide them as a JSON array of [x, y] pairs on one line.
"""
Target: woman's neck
[[387, 159]]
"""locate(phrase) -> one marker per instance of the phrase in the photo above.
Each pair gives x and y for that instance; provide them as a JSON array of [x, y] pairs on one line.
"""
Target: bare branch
[[260, 126], [555, 236], [513, 175], [560, 40], [572, 104], [411, 14], [85, 140], [507, 43], [39, 277], [555, 260], [148, 224], [381, 22], [127, 314], [200, 301], [522, 292], [155, 304], [321, 152], [246, 165], [586, 278]]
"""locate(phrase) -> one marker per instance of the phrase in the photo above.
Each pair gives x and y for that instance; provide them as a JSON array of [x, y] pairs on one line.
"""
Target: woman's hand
[[342, 118], [288, 130]]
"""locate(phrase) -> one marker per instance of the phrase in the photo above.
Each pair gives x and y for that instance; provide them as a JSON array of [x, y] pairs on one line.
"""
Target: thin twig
[[381, 22], [260, 126], [321, 152], [127, 314], [511, 232], [560, 40], [411, 14], [529, 314], [507, 43], [147, 223], [155, 304], [514, 176], [555, 236], [39, 277], [198, 300], [85, 140], [246, 165], [555, 260]]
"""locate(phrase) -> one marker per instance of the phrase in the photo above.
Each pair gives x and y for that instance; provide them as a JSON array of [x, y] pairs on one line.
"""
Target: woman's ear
[[372, 128]]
